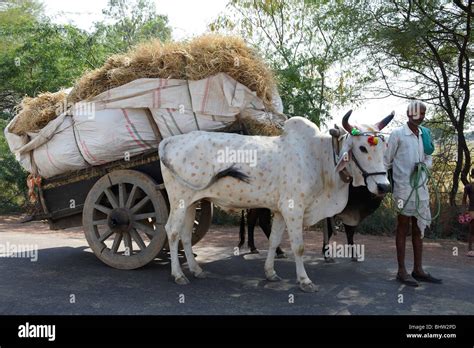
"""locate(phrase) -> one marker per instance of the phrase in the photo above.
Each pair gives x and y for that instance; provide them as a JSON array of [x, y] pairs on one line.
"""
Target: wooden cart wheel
[[124, 219]]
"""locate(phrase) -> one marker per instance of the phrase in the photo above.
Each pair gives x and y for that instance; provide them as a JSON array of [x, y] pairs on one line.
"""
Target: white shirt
[[404, 150]]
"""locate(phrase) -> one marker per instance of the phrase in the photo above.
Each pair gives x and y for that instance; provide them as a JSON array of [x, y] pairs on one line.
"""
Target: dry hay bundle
[[194, 60], [255, 127], [35, 113]]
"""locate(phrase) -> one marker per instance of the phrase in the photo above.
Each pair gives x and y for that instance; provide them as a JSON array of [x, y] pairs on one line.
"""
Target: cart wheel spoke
[[143, 216], [136, 236], [121, 195], [145, 228], [99, 222], [140, 204], [128, 243], [111, 197], [131, 198], [116, 244], [103, 209], [106, 235]]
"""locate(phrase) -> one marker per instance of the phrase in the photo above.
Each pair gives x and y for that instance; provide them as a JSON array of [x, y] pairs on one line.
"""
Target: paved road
[[67, 267]]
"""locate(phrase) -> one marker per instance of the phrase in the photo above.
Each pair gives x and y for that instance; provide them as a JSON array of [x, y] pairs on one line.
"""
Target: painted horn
[[345, 122], [381, 125]]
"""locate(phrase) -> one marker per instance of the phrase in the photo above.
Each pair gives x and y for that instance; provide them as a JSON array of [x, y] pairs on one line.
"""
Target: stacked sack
[[205, 84]]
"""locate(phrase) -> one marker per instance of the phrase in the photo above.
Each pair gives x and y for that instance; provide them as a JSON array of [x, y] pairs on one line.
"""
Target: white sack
[[113, 125]]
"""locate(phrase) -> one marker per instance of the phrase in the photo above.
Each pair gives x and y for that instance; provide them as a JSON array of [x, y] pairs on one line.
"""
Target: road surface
[[67, 278]]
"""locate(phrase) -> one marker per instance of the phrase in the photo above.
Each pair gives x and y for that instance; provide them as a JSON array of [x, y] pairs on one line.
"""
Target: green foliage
[[13, 190], [308, 44], [220, 217], [132, 22], [383, 221], [37, 55]]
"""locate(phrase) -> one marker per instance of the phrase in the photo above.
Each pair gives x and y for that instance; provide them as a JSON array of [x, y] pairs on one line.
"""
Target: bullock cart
[[123, 207]]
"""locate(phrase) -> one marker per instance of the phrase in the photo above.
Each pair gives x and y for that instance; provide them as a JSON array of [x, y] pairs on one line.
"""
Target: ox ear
[[343, 160], [346, 155]]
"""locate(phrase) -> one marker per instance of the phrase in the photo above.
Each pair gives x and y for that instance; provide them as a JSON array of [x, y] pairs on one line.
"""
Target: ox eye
[[363, 149]]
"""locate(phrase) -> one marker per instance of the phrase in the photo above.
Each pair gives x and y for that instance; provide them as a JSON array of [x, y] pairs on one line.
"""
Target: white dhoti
[[421, 211]]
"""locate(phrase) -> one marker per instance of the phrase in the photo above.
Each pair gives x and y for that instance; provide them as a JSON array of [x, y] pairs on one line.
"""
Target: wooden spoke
[[140, 204], [111, 197], [122, 192], [103, 209], [99, 222], [131, 197], [139, 217], [116, 244], [128, 243], [106, 235], [145, 228], [136, 236]]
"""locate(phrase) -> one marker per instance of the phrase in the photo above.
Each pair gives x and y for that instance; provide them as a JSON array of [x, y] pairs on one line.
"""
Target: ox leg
[[278, 227], [265, 223], [350, 230], [252, 217], [242, 230], [295, 231], [175, 224], [186, 236], [328, 232]]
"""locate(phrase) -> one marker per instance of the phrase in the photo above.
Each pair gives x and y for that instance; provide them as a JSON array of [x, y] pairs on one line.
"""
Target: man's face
[[416, 117]]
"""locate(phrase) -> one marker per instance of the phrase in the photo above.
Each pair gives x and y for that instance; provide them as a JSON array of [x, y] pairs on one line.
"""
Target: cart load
[[136, 99]]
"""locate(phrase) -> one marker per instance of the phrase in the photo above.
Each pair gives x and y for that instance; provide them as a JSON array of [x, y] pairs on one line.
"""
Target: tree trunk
[[457, 169]]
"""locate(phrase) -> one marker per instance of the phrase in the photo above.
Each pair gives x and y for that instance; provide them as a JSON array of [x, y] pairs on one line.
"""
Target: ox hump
[[301, 126]]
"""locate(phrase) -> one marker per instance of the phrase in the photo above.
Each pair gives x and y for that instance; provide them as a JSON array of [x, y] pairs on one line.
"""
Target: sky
[[190, 18]]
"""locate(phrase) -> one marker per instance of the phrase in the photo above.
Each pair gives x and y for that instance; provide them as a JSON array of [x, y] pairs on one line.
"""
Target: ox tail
[[232, 172]]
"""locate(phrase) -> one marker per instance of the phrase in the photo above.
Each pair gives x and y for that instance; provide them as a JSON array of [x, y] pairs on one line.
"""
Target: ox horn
[[385, 121], [345, 121]]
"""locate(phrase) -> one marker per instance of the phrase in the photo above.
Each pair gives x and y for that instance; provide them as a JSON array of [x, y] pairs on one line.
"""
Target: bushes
[[13, 190], [220, 217]]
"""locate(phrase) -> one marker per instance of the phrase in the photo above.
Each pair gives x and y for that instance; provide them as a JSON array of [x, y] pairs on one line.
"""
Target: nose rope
[[365, 174]]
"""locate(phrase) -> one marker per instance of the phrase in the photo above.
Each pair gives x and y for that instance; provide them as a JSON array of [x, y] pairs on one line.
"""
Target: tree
[[308, 44], [131, 22], [423, 50]]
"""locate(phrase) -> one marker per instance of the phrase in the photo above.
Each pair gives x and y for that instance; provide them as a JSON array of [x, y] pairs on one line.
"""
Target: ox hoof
[[181, 280], [308, 287], [254, 251], [273, 278], [329, 260], [355, 259], [201, 274], [281, 256]]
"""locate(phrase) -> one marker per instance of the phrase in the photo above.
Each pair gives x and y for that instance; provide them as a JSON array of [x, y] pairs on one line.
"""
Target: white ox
[[294, 175]]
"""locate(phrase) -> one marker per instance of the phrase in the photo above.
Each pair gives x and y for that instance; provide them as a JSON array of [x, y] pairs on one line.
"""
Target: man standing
[[405, 155]]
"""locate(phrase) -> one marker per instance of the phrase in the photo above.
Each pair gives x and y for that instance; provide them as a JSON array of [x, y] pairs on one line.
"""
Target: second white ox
[[294, 175]]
